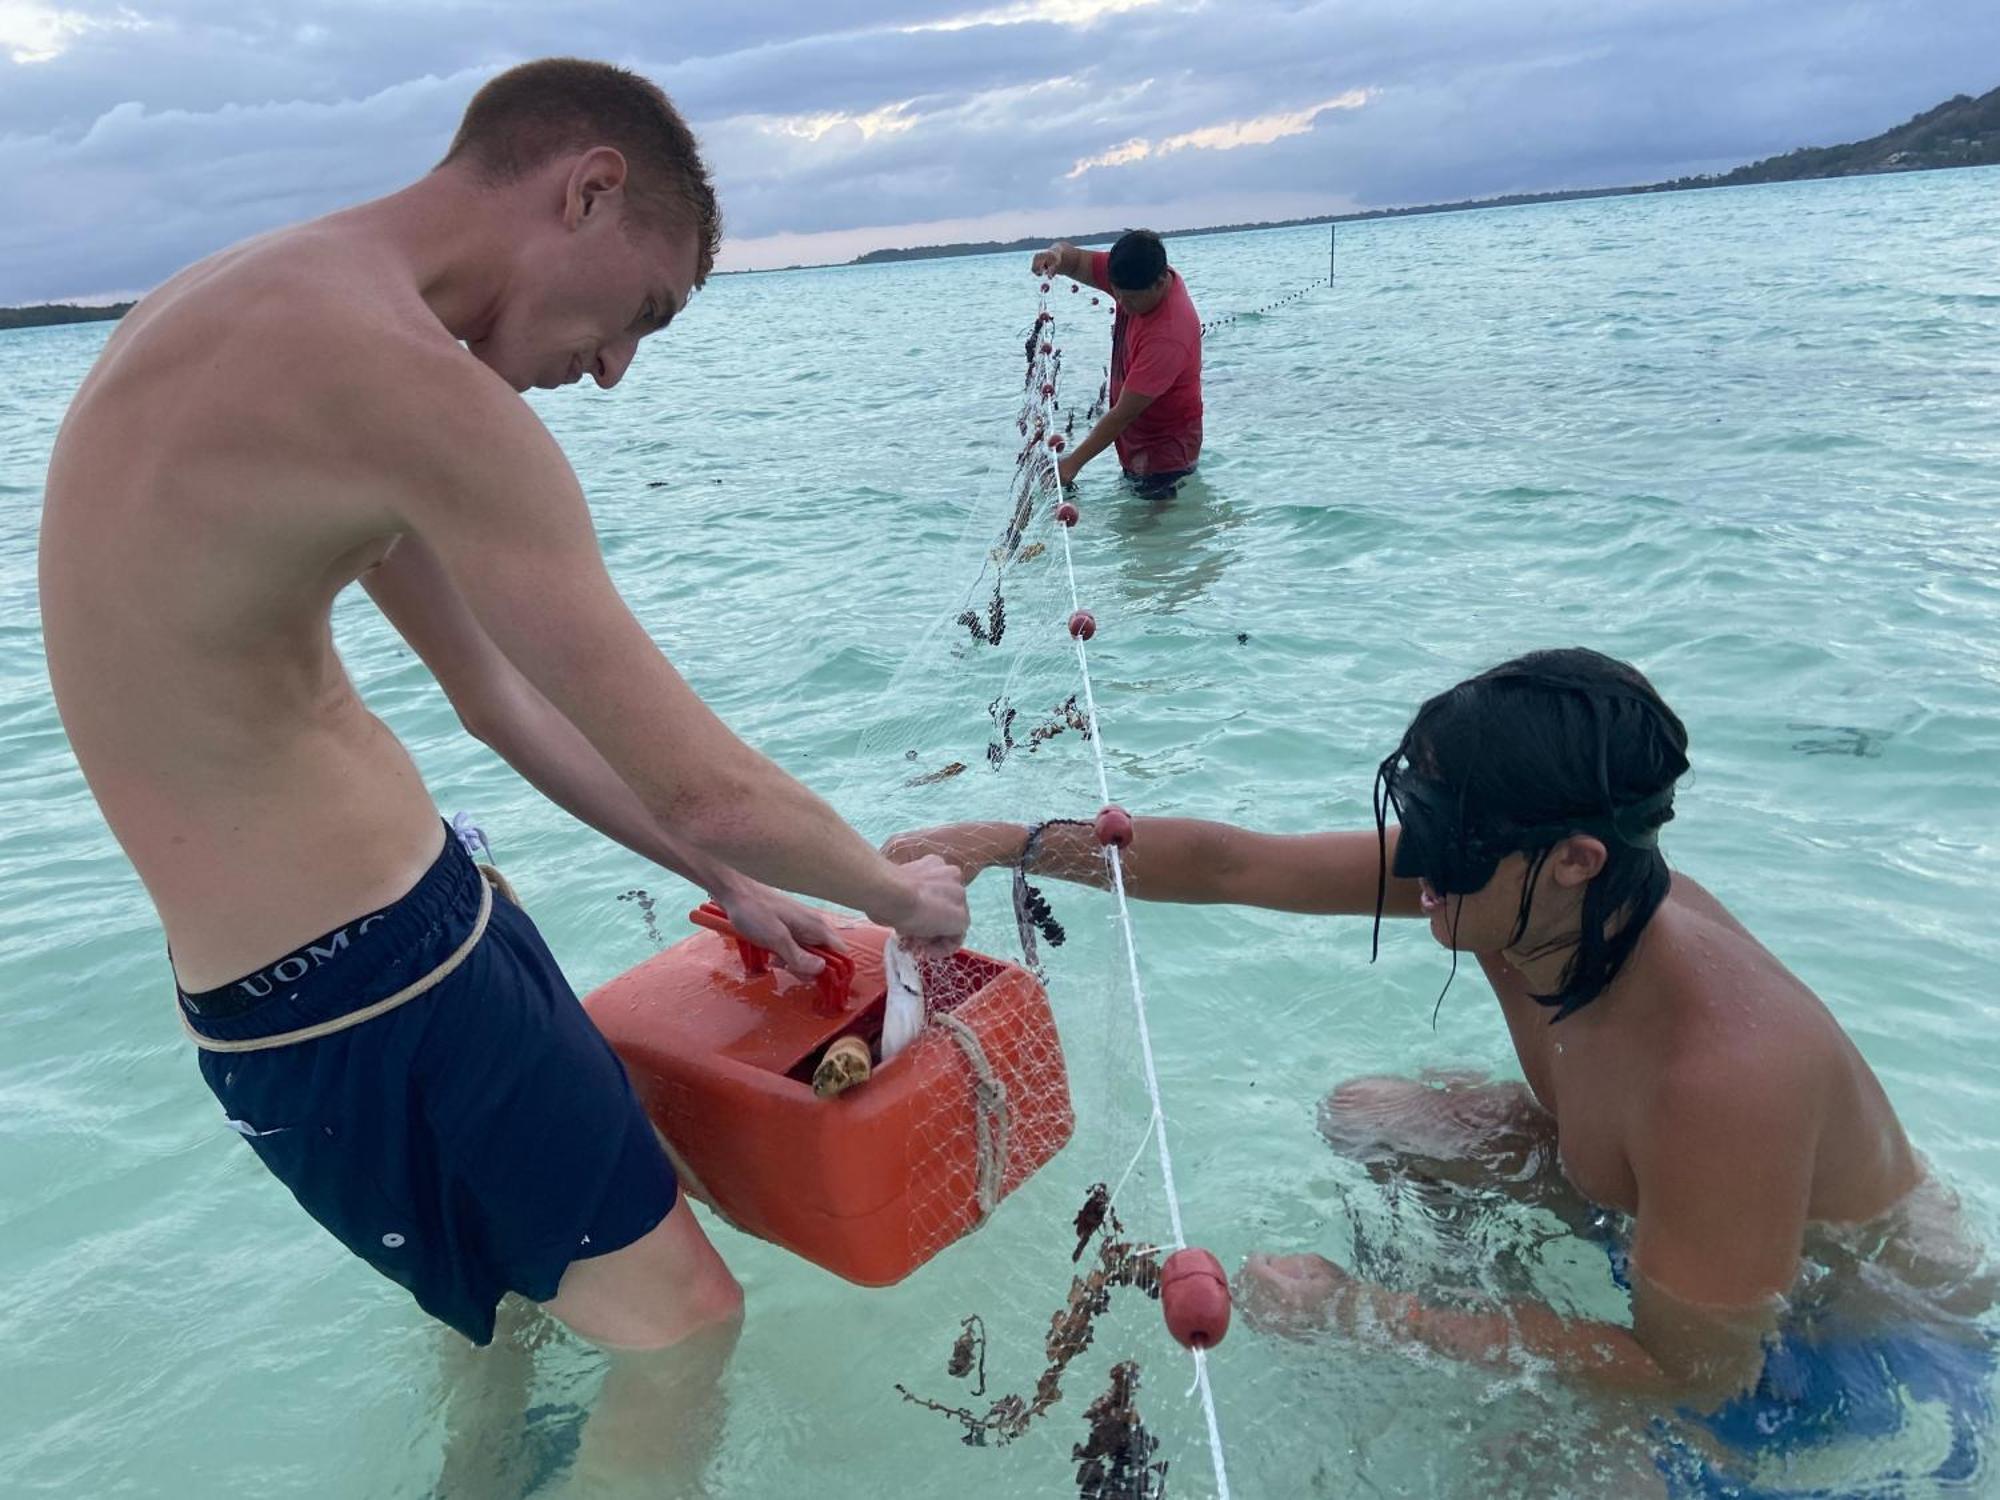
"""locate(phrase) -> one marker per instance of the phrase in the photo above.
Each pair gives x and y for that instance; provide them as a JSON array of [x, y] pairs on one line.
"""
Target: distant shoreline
[[1961, 132], [56, 314], [1468, 205]]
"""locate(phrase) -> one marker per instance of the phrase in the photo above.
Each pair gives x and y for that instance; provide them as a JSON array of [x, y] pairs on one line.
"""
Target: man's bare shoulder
[[302, 377], [314, 332]]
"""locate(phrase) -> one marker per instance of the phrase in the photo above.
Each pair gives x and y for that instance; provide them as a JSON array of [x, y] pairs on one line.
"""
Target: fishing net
[[1035, 1183], [991, 722]]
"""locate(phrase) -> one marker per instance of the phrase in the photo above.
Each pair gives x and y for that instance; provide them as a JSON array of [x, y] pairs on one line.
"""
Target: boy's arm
[[1188, 860], [1715, 1245]]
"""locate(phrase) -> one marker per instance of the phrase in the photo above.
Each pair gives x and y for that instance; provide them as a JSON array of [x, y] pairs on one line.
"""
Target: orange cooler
[[872, 1183]]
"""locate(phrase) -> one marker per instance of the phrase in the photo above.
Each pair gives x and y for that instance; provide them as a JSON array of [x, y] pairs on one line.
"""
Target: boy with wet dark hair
[[1687, 1102], [1464, 796]]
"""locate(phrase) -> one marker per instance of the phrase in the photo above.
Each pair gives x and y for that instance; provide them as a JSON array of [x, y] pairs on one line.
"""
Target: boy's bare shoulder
[[1746, 1023]]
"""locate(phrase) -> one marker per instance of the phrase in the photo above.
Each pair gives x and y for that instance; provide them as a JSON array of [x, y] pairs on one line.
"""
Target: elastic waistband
[[354, 965]]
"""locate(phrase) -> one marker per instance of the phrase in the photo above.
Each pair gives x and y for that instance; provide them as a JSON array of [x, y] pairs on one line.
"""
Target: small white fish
[[903, 1016]]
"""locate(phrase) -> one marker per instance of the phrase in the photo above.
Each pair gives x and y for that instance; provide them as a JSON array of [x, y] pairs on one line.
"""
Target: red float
[[1083, 625], [1056, 443], [1194, 1295], [1114, 826], [1045, 286], [1048, 348], [1068, 514]]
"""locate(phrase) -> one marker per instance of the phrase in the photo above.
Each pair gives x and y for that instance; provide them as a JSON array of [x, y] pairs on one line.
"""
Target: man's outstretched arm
[[501, 708], [482, 481], [1064, 259]]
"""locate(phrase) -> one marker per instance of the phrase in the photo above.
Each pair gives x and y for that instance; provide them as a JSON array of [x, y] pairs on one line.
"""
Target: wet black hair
[[1138, 259], [1550, 744]]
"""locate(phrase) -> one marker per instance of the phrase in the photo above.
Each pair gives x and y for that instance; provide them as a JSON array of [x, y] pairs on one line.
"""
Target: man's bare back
[[214, 487]]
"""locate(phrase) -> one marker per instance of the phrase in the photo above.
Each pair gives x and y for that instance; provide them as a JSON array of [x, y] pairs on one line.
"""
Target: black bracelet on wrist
[[1031, 907], [1035, 833]]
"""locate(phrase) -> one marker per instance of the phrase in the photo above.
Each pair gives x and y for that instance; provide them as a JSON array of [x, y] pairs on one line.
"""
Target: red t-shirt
[[1158, 355]]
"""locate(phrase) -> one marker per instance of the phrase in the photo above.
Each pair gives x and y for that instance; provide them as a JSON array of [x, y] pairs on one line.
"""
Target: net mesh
[[987, 733], [1036, 1203]]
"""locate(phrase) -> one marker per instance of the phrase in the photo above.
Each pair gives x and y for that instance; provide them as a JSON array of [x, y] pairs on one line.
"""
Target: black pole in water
[[1332, 230]]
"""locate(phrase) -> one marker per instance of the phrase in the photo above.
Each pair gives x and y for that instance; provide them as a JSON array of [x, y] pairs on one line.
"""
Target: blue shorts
[[1830, 1385], [471, 1142], [1840, 1387]]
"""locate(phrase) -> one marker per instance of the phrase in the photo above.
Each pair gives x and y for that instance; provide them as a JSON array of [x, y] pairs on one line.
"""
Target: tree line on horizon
[[52, 314]]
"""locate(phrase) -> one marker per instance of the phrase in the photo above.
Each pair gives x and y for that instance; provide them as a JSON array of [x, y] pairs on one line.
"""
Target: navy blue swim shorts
[[468, 1143], [1156, 486]]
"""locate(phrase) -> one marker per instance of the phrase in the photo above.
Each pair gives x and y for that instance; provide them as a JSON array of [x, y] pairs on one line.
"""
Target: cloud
[[150, 132], [1230, 135], [1065, 12], [890, 119], [144, 192], [32, 32]]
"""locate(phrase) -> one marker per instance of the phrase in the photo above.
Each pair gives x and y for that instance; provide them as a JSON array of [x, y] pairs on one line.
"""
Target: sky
[[137, 137]]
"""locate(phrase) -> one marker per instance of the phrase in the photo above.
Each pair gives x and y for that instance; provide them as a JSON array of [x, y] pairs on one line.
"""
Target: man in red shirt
[[1155, 415]]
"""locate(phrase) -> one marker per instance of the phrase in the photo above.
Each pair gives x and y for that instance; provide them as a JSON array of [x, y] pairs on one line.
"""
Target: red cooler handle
[[832, 983]]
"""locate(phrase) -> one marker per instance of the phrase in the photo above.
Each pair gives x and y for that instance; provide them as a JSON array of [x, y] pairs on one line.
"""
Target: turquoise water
[[1749, 439]]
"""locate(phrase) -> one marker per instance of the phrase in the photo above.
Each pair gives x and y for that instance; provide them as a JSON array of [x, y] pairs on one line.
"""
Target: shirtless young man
[[340, 401], [1676, 1073]]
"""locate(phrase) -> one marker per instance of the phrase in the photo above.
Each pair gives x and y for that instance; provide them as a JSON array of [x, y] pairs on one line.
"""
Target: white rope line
[[1133, 1165], [1157, 1124]]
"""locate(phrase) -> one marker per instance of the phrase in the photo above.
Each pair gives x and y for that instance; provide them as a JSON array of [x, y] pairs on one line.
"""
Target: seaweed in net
[[1032, 914], [968, 1347], [1065, 716], [1068, 715], [1090, 1218], [942, 773], [1115, 1462], [995, 625], [1003, 715], [1119, 1263]]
